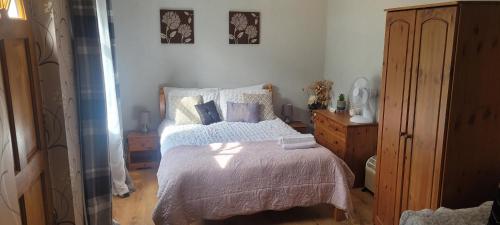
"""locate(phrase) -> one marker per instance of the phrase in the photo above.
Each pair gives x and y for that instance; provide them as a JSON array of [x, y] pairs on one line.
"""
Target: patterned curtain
[[92, 112]]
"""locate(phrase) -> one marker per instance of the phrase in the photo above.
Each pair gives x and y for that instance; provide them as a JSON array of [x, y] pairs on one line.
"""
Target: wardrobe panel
[[395, 86], [434, 37], [473, 150]]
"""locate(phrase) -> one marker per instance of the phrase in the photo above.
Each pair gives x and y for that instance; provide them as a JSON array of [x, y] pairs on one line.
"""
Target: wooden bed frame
[[163, 99], [338, 215]]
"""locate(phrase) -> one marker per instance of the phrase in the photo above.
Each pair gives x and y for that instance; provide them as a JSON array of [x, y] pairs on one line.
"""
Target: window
[[15, 8], [12, 9]]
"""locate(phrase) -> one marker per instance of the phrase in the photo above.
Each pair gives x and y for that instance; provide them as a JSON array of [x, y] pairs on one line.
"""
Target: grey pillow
[[243, 112], [266, 104], [208, 113]]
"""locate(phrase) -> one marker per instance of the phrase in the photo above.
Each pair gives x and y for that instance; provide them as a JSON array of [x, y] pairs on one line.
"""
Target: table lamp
[[145, 121], [287, 112]]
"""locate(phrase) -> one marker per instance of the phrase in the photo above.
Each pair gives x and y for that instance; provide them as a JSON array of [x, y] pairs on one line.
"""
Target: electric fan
[[360, 102]]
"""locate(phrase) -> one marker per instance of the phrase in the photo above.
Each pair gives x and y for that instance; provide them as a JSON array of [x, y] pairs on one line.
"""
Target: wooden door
[[432, 61], [21, 109], [399, 33]]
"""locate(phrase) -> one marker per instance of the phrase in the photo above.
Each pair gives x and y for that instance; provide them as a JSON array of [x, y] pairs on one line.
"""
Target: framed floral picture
[[244, 27], [177, 26]]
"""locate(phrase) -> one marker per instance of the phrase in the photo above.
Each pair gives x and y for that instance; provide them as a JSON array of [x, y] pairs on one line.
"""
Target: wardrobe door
[[432, 61], [399, 34]]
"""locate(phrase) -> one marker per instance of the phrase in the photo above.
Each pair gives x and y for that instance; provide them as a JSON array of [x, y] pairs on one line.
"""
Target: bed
[[226, 169]]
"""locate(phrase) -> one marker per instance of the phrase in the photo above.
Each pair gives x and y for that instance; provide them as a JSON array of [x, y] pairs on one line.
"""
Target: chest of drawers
[[353, 143]]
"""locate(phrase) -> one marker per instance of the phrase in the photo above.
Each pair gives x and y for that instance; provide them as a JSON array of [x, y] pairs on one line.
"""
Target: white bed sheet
[[222, 132]]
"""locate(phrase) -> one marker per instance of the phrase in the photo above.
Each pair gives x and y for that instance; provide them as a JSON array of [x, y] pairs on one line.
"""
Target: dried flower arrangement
[[319, 94]]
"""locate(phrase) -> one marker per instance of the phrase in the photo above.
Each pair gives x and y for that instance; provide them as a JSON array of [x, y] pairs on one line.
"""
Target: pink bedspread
[[218, 181]]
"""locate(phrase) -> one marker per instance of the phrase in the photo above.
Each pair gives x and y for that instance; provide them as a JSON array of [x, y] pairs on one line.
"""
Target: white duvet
[[197, 134]]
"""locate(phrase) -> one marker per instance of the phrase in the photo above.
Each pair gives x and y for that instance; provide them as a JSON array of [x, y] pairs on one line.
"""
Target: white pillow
[[236, 96], [207, 94], [185, 110]]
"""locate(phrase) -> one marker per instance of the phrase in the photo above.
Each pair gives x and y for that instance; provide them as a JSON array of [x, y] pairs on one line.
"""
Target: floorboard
[[137, 209]]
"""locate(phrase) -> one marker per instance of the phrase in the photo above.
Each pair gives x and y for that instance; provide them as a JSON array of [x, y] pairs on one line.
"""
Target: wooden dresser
[[143, 150], [354, 143]]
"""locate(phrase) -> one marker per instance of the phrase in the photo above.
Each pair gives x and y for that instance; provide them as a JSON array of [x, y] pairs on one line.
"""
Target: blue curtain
[[92, 111]]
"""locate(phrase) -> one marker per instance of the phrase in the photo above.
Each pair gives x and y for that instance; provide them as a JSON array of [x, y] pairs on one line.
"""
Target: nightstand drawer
[[143, 139], [143, 150], [141, 145], [332, 126]]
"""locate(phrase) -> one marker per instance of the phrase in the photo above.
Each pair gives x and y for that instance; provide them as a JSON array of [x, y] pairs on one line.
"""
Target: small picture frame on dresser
[[143, 150]]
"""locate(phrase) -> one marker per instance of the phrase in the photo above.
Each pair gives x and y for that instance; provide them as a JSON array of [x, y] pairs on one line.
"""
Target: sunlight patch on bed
[[215, 146], [225, 147], [223, 160], [225, 152]]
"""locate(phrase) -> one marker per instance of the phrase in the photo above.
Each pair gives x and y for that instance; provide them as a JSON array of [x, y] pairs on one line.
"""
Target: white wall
[[355, 40], [291, 53]]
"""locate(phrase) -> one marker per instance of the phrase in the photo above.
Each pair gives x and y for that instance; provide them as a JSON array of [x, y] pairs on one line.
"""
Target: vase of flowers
[[319, 94]]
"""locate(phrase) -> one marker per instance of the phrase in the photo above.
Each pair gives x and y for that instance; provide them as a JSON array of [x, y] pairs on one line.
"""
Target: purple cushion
[[243, 112]]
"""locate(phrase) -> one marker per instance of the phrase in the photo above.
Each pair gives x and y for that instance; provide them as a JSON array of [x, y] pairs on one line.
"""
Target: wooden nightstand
[[143, 150], [354, 143], [299, 126]]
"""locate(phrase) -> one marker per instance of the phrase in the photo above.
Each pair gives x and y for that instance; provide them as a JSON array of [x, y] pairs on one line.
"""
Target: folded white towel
[[310, 144], [296, 139]]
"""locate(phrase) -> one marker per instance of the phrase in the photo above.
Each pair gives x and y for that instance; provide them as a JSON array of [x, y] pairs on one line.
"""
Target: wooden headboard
[[163, 100]]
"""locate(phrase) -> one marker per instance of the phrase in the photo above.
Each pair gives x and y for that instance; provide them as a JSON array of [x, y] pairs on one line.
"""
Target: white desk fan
[[360, 101]]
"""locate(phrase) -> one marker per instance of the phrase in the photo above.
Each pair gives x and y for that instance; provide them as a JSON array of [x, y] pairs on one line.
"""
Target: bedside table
[[299, 126], [143, 150]]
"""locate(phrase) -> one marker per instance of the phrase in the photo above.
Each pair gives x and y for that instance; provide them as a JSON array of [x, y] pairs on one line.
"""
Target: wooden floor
[[137, 209]]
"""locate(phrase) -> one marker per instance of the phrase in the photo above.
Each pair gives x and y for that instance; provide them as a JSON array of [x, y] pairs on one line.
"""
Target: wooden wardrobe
[[439, 124]]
